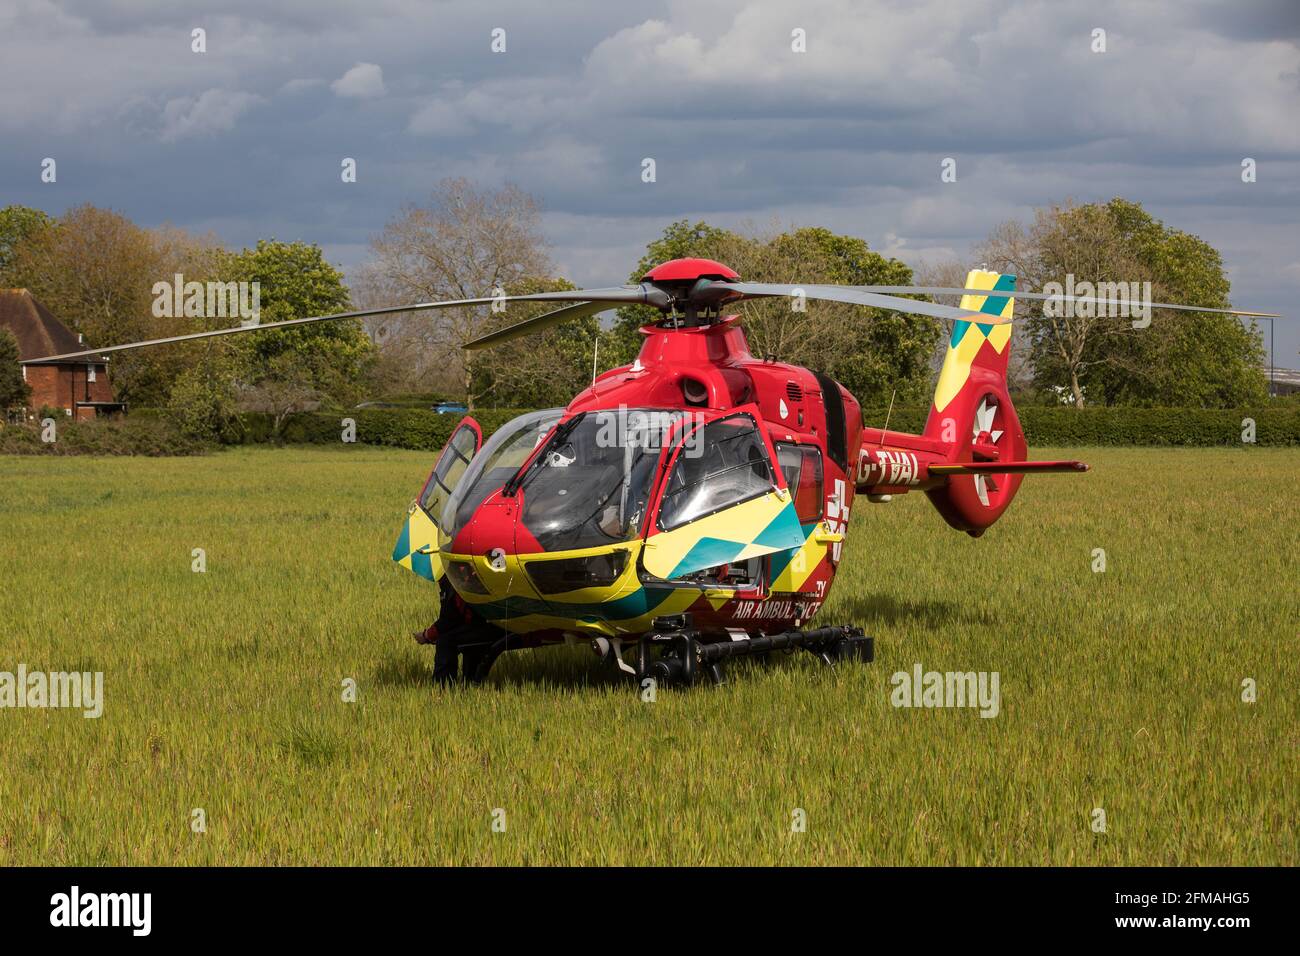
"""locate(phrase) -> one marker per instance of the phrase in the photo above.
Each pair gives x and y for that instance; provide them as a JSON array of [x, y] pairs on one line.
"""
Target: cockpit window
[[802, 467], [591, 484], [724, 464], [502, 454], [450, 467]]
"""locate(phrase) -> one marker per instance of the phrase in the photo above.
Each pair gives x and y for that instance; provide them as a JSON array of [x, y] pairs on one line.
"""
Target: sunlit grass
[[1120, 690]]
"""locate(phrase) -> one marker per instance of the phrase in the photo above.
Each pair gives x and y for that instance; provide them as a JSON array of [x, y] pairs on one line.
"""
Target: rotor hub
[[692, 292], [689, 271]]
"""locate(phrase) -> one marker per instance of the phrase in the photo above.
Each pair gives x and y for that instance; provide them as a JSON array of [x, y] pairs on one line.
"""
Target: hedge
[[1160, 426], [1126, 425], [1044, 425], [394, 427], [149, 436]]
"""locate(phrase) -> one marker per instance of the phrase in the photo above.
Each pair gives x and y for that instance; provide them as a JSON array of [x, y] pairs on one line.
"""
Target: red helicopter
[[691, 507]]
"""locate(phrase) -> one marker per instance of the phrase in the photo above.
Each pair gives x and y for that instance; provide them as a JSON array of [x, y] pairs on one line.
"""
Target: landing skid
[[685, 660], [673, 653]]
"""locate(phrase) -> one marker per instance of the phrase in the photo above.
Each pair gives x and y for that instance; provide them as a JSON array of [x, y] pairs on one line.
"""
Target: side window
[[802, 467], [719, 465], [447, 472]]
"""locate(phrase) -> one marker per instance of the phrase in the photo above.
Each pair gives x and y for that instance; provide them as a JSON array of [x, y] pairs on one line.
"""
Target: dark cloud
[[1260, 20], [247, 139]]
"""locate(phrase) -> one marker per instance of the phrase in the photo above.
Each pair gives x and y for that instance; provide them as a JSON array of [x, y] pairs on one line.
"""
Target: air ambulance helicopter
[[692, 506]]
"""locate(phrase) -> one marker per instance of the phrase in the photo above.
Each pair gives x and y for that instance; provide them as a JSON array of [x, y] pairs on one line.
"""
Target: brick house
[[79, 387]]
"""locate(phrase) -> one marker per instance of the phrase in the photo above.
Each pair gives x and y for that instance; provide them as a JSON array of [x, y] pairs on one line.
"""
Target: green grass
[[1120, 690]]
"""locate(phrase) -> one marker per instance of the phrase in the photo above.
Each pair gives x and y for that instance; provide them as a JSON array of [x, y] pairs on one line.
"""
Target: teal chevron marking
[[783, 531], [993, 305], [781, 560], [422, 564], [403, 546], [639, 602], [706, 553]]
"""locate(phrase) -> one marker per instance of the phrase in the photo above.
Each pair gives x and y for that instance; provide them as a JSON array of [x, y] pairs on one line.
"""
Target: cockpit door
[[722, 501], [423, 534]]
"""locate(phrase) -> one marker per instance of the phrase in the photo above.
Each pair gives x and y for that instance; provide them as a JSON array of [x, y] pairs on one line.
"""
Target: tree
[[14, 389], [540, 370], [295, 281], [875, 353], [1066, 343], [289, 383], [1180, 358], [464, 243], [17, 225], [203, 399], [1202, 359], [96, 270]]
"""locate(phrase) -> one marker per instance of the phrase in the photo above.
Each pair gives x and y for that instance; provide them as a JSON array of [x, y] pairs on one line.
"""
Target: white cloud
[[301, 85], [443, 116], [361, 82], [213, 111]]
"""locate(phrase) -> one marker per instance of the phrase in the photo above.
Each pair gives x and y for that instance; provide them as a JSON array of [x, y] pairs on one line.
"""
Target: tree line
[[98, 272]]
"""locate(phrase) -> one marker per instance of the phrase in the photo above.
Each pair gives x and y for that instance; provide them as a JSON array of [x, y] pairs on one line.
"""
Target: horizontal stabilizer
[[1007, 468]]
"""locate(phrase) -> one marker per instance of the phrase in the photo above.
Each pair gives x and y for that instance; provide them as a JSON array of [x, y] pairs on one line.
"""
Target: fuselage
[[698, 479]]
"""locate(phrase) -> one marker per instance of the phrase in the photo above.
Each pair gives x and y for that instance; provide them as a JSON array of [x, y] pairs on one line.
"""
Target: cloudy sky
[[246, 139]]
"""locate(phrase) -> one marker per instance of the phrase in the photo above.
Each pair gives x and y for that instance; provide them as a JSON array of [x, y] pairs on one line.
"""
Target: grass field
[[1120, 690]]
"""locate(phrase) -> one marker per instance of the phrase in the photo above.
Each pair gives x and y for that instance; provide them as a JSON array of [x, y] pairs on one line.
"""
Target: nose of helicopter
[[483, 561], [493, 564]]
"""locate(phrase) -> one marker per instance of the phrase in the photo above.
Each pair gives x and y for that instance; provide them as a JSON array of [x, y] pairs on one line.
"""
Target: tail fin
[[966, 348], [972, 414]]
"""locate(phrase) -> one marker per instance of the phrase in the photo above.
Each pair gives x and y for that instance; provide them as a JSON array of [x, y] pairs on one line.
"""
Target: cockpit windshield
[[591, 484], [502, 455]]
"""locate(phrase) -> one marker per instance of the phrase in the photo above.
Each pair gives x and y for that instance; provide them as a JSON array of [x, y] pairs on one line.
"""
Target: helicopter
[[692, 507]]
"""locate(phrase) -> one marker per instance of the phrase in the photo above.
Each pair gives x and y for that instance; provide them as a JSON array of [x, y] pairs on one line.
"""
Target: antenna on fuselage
[[887, 414]]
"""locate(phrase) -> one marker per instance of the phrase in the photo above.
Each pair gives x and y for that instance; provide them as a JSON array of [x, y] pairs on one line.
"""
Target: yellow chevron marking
[[741, 523], [803, 564], [957, 362], [422, 533]]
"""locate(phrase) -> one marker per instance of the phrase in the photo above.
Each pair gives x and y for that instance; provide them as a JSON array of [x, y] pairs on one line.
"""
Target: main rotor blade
[[1044, 297], [621, 295], [856, 296], [536, 324]]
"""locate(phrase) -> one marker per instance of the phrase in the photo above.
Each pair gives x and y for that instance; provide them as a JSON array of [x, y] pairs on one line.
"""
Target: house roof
[[38, 332]]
